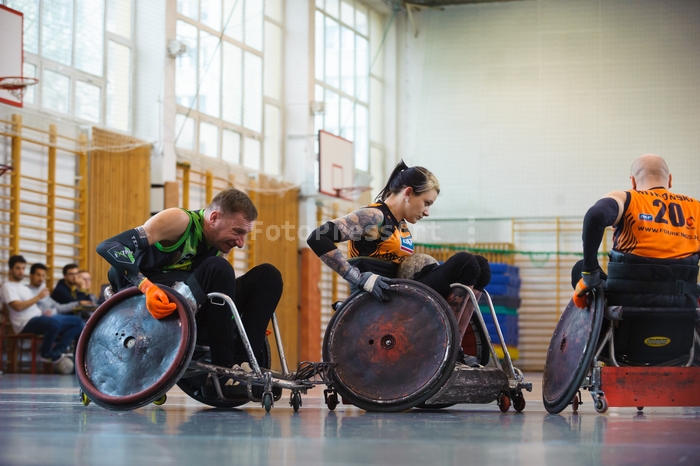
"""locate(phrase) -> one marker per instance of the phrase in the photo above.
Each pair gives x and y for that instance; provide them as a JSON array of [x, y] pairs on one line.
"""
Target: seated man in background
[[85, 284], [37, 279], [66, 289], [652, 226], [178, 245], [59, 331]]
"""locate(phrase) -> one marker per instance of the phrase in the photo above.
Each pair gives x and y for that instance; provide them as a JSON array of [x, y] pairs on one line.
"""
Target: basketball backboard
[[11, 53], [336, 165]]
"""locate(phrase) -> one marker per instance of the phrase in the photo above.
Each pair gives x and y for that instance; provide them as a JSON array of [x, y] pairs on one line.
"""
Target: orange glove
[[157, 301], [581, 295], [588, 281]]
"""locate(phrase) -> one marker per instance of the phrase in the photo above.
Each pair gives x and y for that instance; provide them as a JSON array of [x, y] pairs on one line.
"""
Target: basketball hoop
[[353, 192], [17, 85], [5, 168]]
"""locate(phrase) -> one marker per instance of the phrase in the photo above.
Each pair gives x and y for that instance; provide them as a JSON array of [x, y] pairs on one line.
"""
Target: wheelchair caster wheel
[[503, 403], [84, 399], [331, 399], [601, 405], [267, 401], [161, 400], [295, 401], [575, 403], [519, 402]]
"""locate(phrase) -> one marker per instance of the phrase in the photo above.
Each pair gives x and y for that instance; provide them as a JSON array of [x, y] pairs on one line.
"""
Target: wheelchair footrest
[[650, 386], [471, 385]]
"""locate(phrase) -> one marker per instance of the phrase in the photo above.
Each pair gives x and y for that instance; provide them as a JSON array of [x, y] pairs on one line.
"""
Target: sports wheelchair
[[396, 355], [377, 356], [624, 353], [126, 359]]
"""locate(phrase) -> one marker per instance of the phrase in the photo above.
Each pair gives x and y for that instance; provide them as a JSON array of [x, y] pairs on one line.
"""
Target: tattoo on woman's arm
[[358, 224], [336, 261]]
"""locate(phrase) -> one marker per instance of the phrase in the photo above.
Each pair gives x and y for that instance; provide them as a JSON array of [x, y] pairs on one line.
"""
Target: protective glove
[[588, 281], [157, 301], [368, 281]]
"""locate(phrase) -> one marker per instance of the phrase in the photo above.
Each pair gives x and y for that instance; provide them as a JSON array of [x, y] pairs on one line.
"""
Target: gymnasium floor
[[43, 423]]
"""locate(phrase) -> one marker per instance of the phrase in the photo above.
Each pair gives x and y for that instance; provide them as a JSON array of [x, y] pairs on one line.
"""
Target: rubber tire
[[332, 402], [577, 374], [601, 405], [453, 328], [295, 401], [503, 403], [165, 382], [519, 402]]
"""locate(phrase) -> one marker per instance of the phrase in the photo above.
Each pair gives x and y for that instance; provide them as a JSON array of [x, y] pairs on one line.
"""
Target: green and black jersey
[[185, 255]]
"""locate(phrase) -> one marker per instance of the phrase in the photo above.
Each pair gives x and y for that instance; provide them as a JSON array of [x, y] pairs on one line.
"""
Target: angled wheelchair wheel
[[392, 356], [126, 359], [475, 342], [192, 383], [571, 352]]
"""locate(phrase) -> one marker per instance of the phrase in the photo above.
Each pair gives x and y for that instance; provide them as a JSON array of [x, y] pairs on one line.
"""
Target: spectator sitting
[[67, 290], [84, 285], [37, 277], [59, 331]]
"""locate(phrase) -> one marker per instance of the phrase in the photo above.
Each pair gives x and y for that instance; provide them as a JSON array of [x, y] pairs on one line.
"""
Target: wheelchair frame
[[321, 373], [516, 381], [307, 376]]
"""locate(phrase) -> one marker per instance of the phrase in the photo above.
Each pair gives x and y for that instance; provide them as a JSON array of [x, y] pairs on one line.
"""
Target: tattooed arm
[[363, 223]]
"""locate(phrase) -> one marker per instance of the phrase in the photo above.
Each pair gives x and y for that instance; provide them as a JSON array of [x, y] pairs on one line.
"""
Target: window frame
[[355, 99], [244, 132], [42, 64]]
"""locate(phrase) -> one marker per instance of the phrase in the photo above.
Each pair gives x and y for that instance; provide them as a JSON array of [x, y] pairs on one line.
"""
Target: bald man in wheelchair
[[656, 243]]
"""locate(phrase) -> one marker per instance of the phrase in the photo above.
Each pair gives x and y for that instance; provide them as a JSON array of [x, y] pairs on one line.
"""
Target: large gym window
[[349, 75], [81, 51], [228, 82]]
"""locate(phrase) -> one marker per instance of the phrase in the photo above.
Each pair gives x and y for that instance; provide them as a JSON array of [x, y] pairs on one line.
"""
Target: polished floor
[[42, 422]]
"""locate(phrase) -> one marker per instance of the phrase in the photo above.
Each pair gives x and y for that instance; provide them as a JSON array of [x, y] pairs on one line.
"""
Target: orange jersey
[[659, 224], [394, 244]]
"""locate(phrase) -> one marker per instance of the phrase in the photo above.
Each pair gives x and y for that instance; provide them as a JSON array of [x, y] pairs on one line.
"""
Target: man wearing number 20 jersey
[[657, 223], [656, 238]]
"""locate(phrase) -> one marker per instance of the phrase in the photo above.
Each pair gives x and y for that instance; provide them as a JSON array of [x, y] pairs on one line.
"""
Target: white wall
[[538, 108]]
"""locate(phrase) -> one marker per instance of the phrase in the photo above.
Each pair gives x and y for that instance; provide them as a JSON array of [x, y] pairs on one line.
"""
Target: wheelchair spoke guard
[[571, 352], [125, 358], [392, 356]]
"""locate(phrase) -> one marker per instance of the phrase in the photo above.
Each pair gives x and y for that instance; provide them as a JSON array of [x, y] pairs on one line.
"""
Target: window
[[81, 51], [228, 83], [348, 37]]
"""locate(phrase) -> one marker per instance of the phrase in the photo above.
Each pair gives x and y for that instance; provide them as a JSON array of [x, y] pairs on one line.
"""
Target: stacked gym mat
[[504, 289]]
